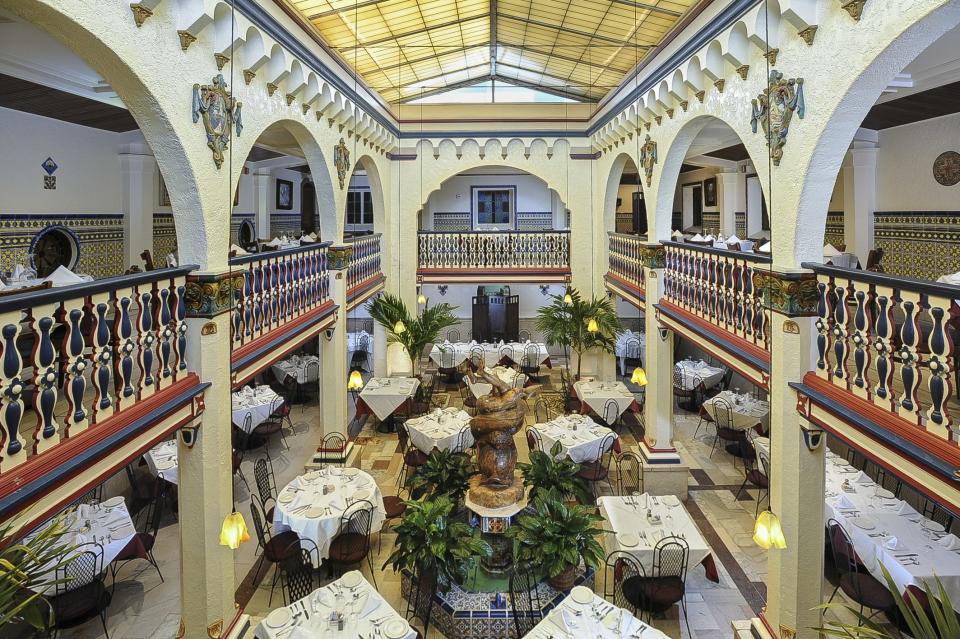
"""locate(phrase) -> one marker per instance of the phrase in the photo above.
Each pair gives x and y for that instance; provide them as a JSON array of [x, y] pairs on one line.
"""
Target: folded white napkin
[[237, 250], [569, 619], [765, 248], [677, 234], [892, 543], [306, 239], [843, 503], [17, 272], [709, 238], [697, 238], [950, 542], [906, 509], [63, 277], [863, 478], [830, 250], [300, 633], [733, 239]]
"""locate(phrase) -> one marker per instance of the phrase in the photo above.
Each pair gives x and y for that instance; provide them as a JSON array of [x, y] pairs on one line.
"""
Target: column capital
[[338, 256], [653, 255], [788, 292], [209, 294]]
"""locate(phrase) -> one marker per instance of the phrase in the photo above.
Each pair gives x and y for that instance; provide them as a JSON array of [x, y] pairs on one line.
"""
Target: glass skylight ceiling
[[414, 49], [485, 92]]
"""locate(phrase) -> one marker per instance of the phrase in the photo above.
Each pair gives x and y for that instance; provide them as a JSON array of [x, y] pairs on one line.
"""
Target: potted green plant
[[413, 333], [554, 471], [581, 325], [429, 542], [556, 537], [445, 473]]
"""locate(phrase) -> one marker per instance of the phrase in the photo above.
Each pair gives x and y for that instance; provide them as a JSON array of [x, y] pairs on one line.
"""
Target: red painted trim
[[631, 287], [367, 283], [766, 624], [506, 272], [750, 347], [245, 375], [290, 327]]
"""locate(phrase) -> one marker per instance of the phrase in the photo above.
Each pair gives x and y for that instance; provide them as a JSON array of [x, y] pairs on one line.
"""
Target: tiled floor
[[145, 608]]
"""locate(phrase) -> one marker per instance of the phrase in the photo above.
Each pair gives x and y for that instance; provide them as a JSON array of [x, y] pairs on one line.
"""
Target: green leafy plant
[[554, 471], [25, 564], [445, 473], [567, 325], [428, 541], [945, 622], [416, 332], [556, 536]]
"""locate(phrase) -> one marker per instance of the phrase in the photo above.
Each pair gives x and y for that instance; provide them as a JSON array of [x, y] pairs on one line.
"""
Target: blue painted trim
[[271, 344], [726, 345], [59, 477], [877, 431], [61, 216]]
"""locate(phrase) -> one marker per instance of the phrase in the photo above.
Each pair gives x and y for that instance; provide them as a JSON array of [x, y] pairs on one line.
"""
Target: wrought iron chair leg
[[686, 617], [372, 574], [737, 496]]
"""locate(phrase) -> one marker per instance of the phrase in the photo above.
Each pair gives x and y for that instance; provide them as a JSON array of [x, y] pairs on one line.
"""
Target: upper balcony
[[364, 274], [625, 273], [493, 256]]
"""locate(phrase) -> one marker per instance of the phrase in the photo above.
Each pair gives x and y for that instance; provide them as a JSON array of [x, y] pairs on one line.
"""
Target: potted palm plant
[[554, 471], [413, 333], [429, 543], [445, 473], [557, 537], [580, 325]]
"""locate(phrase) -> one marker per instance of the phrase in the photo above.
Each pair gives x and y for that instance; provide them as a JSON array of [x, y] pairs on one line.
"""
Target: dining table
[[27, 278], [347, 608], [259, 402], [595, 395], [580, 437], [887, 531], [693, 371], [382, 396], [629, 345], [302, 368], [746, 411], [162, 461], [583, 614], [636, 523], [440, 429], [314, 503], [507, 375], [453, 354], [107, 523]]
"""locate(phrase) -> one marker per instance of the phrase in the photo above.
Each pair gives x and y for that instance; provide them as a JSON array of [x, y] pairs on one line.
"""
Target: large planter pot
[[564, 581]]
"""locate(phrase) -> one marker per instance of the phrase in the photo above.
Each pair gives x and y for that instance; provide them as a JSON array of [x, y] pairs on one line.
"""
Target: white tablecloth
[[111, 527], [868, 509], [356, 342], [300, 368], [694, 370], [440, 429], [297, 499], [953, 278], [597, 394], [629, 515], [745, 415], [257, 401], [599, 619], [507, 375], [162, 460], [492, 353], [383, 395], [631, 339], [310, 616], [580, 445]]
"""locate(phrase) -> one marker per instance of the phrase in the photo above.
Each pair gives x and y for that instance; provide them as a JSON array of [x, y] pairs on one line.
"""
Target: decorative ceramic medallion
[[50, 166], [648, 158], [220, 113], [341, 159], [946, 168], [774, 108]]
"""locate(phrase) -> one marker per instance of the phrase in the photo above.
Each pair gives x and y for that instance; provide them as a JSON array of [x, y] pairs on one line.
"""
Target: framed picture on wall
[[164, 194], [710, 192], [284, 195]]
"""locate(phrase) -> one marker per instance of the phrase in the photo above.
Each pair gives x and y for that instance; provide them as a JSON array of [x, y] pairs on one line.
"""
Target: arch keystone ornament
[[341, 160], [140, 13], [220, 113], [648, 158], [774, 109]]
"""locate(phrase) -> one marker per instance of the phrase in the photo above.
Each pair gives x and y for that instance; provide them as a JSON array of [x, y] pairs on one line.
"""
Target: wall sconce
[[545, 289], [189, 434], [768, 533], [812, 436], [442, 288], [234, 531], [664, 333]]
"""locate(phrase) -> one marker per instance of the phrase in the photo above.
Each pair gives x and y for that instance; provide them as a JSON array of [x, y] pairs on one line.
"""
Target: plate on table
[[396, 629], [278, 618], [113, 502], [313, 475], [166, 464], [628, 540], [314, 512], [352, 579], [581, 595], [863, 523], [670, 500], [122, 533], [932, 525], [883, 493], [350, 472], [363, 493], [286, 497]]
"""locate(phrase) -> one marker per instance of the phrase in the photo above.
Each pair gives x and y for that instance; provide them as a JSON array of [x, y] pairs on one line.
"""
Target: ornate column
[[664, 472], [732, 198], [333, 349], [206, 472], [794, 576]]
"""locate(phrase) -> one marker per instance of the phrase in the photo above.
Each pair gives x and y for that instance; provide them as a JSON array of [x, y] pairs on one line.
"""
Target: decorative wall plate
[[946, 168]]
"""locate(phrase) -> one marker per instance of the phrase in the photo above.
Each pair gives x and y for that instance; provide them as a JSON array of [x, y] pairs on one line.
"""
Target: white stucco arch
[[609, 210]]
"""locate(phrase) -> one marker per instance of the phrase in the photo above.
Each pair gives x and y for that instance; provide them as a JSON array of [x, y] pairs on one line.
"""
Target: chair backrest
[[297, 569], [678, 383], [423, 585], [357, 519], [263, 476], [525, 598], [631, 348], [670, 557], [448, 359], [248, 423], [403, 436], [524, 335], [276, 404], [154, 510], [258, 515], [506, 352], [531, 355], [334, 441], [844, 556], [605, 450], [620, 567], [311, 372], [722, 413], [727, 377], [84, 567], [534, 441], [362, 344], [541, 412], [629, 473], [453, 336], [476, 357], [462, 439], [611, 412], [935, 512]]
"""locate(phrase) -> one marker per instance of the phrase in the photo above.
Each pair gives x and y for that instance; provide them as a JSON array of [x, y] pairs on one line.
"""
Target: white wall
[[532, 194], [698, 176], [88, 177], [904, 167]]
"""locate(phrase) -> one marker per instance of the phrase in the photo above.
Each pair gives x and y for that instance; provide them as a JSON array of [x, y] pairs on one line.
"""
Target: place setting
[[583, 614]]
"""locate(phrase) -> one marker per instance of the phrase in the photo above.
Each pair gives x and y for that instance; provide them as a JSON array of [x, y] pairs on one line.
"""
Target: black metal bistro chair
[[80, 593], [527, 611]]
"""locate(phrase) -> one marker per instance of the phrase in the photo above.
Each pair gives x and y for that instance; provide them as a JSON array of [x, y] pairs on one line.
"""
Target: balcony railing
[[532, 251], [890, 341], [71, 358], [276, 288], [365, 261], [625, 260], [718, 285]]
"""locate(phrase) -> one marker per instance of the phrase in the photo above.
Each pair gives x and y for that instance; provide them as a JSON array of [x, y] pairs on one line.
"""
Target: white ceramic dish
[[278, 618], [628, 540], [581, 595], [396, 629]]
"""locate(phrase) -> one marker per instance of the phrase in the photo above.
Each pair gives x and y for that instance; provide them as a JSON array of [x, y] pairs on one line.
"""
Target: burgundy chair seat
[[349, 548], [283, 411], [80, 604], [137, 548], [279, 544], [758, 479], [268, 428], [593, 472], [415, 458], [394, 506], [863, 588], [656, 594]]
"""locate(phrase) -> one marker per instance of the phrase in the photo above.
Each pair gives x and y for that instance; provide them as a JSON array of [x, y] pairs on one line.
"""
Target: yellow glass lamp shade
[[234, 531], [355, 382], [399, 327], [639, 376], [421, 299], [592, 326], [567, 299], [767, 532]]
